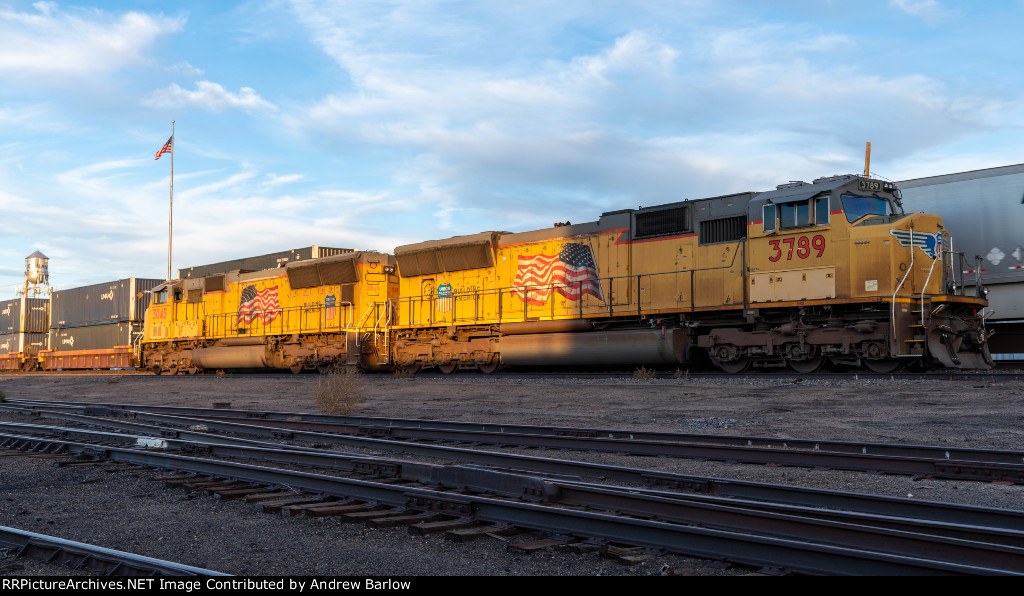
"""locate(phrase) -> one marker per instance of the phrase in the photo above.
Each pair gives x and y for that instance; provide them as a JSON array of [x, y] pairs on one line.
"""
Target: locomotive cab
[[844, 253]]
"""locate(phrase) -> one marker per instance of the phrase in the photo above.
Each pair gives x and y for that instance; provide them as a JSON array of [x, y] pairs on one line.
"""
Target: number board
[[870, 185]]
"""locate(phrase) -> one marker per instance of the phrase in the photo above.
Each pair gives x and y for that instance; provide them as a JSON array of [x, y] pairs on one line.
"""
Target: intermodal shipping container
[[262, 262], [25, 315], [13, 343], [124, 300], [95, 337]]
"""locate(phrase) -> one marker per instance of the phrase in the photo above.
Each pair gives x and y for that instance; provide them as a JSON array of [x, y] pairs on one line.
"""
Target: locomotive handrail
[[924, 289], [229, 324], [892, 306]]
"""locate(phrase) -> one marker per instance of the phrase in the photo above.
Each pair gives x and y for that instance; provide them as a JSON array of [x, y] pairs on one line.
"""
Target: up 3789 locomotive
[[831, 271]]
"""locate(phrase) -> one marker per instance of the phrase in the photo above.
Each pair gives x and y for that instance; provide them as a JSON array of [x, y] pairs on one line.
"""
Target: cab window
[[160, 297], [857, 207], [798, 214]]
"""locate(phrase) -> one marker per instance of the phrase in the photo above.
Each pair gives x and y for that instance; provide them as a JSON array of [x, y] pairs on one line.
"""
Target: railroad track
[[800, 538], [16, 544], [922, 461], [1011, 371]]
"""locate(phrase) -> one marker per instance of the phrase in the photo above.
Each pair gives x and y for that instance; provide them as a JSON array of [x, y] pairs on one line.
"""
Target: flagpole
[[170, 217]]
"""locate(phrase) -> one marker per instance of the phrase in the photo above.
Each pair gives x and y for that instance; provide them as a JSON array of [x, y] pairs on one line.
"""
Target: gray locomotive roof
[[962, 176], [799, 192]]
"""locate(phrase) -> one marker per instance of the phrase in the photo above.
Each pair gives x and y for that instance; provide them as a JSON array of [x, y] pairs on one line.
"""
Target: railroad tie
[[275, 506], [235, 493], [442, 526], [474, 533], [212, 490], [403, 520], [536, 545], [269, 495], [363, 516], [627, 555], [324, 508]]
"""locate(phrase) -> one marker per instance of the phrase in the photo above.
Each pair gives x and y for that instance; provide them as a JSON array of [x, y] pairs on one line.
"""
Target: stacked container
[[97, 326], [23, 331]]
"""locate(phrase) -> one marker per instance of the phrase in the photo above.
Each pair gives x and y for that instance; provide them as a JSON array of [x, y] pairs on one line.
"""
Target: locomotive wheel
[[490, 367], [734, 366], [295, 369], [171, 370], [808, 365], [193, 370], [884, 365], [448, 368]]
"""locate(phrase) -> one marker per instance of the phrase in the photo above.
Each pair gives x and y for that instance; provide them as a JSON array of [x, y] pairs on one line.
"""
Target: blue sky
[[373, 124]]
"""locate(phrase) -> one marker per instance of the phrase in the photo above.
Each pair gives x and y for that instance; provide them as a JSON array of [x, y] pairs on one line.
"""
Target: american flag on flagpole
[[572, 273], [167, 148], [262, 305]]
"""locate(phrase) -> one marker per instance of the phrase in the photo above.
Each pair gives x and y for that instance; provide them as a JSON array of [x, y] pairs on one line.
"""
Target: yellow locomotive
[[308, 314], [807, 273], [832, 271]]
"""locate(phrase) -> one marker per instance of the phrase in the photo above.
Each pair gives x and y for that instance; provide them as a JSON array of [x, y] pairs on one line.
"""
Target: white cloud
[[274, 179], [187, 69], [925, 9], [207, 96], [76, 44]]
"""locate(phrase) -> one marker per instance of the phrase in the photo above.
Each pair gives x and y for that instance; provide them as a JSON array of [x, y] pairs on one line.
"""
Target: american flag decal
[[262, 305], [572, 273]]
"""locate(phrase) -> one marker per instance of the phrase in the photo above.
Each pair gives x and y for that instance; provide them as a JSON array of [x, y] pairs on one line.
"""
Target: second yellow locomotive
[[807, 273], [796, 277]]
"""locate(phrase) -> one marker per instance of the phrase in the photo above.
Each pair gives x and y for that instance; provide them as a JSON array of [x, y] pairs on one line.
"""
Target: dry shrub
[[340, 391], [681, 374], [405, 372], [644, 373]]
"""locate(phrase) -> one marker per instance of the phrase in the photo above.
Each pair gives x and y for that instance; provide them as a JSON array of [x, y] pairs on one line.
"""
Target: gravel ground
[[121, 507]]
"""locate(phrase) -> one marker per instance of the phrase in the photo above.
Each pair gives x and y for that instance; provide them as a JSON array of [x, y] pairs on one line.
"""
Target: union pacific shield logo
[[928, 243], [330, 303], [444, 297]]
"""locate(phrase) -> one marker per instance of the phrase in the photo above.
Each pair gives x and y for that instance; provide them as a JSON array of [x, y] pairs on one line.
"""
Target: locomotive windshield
[[857, 207]]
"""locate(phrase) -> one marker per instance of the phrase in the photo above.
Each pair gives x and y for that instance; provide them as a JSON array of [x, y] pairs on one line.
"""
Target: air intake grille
[[663, 222], [726, 229]]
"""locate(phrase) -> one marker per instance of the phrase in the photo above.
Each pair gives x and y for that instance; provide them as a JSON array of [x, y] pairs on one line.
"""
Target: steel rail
[[890, 506], [798, 555], [368, 424], [939, 468], [518, 484], [80, 555]]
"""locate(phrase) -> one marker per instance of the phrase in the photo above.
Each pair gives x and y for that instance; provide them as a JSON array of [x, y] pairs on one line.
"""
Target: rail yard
[[404, 492]]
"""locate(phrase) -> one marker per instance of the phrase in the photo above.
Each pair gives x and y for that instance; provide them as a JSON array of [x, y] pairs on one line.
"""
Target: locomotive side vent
[[214, 283], [726, 229], [663, 222]]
